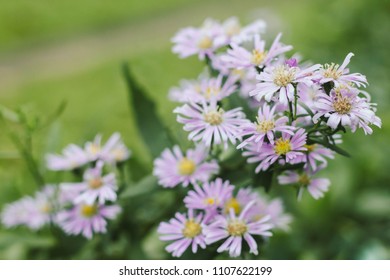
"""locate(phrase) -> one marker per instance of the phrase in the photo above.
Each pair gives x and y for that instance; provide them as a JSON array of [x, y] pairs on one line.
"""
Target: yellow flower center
[[331, 71], [211, 201], [211, 91], [46, 208], [258, 57], [205, 42], [237, 228], [186, 166], [284, 75], [94, 149], [214, 117], [191, 229], [310, 148], [282, 146], [233, 29], [304, 180], [342, 105], [233, 203], [264, 126], [95, 183], [89, 211], [118, 154]]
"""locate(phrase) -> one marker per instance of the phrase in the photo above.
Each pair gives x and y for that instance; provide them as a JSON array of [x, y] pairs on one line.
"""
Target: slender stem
[[291, 116], [295, 102]]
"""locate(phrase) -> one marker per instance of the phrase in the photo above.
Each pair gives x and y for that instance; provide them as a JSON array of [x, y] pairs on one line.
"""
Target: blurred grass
[[351, 222]]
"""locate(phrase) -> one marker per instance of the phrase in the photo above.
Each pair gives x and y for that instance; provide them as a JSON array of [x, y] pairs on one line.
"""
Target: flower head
[[344, 106], [72, 157], [173, 168], [315, 186], [95, 186], [265, 127], [86, 219], [234, 229], [184, 231], [287, 148], [209, 123]]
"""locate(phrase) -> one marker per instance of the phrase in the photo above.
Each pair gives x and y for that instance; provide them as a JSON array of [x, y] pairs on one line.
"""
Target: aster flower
[[239, 57], [265, 127], [315, 186], [201, 41], [344, 106], [184, 231], [72, 157], [94, 187], [210, 196], [185, 91], [173, 168], [114, 150], [287, 148], [232, 31], [340, 74], [261, 208], [235, 228], [210, 124], [281, 78], [33, 212], [317, 153], [86, 219]]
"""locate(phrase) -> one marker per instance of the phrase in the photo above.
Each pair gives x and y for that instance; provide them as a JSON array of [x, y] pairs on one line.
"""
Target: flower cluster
[[78, 207], [281, 114]]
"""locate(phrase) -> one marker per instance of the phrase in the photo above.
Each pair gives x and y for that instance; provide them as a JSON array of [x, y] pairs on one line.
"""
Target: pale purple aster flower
[[210, 196], [201, 41], [232, 31], [184, 231], [72, 157], [317, 153], [265, 127], [261, 208], [86, 219], [288, 148], [235, 228], [173, 168], [344, 106], [240, 57], [33, 212], [95, 186], [281, 78], [210, 124], [315, 186], [186, 90], [114, 150], [340, 74], [93, 148]]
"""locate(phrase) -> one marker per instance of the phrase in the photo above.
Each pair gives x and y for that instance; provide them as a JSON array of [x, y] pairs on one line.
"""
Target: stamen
[[214, 117], [234, 204], [205, 42], [186, 166], [237, 228], [264, 126], [282, 146], [258, 57], [89, 211], [284, 75], [191, 229]]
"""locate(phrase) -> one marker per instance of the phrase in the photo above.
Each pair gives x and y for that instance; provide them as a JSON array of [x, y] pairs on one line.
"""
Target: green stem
[[291, 115], [295, 102]]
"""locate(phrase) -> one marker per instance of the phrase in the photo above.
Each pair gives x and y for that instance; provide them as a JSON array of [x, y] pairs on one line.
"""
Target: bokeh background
[[71, 50]]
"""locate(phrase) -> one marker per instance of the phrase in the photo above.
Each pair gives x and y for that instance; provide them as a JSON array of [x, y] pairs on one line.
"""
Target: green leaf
[[147, 184], [263, 179], [154, 133], [9, 114]]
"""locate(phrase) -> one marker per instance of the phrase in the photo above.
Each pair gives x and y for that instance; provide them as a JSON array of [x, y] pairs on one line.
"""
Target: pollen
[[95, 183], [94, 148], [186, 166], [191, 229], [46, 208], [210, 201], [304, 180], [342, 105], [331, 71], [284, 75], [89, 211], [211, 92], [264, 126], [237, 228], [258, 57], [214, 117], [205, 43], [234, 204], [282, 146], [310, 148]]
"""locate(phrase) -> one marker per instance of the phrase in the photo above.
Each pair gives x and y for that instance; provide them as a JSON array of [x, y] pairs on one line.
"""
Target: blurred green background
[[72, 50]]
